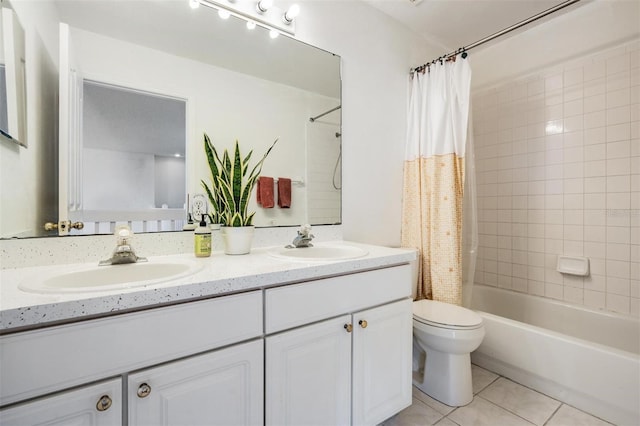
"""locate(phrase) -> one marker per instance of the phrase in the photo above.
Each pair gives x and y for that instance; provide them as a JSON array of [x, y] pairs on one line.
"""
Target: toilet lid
[[445, 314]]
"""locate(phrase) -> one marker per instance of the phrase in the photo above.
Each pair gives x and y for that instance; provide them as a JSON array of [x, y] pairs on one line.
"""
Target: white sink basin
[[113, 277], [319, 253]]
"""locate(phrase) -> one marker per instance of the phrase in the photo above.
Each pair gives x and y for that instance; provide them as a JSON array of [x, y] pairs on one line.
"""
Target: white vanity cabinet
[[353, 368], [223, 388], [200, 348], [94, 405]]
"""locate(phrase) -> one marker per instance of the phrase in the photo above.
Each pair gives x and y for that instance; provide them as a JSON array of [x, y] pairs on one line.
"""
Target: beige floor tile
[[483, 413], [520, 400], [481, 378], [433, 403], [446, 422], [417, 414], [568, 415]]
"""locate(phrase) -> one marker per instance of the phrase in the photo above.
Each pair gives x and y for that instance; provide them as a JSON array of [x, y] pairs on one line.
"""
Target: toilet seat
[[445, 315]]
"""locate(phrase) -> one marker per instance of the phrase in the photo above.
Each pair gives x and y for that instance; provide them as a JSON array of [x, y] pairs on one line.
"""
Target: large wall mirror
[[12, 77], [140, 82]]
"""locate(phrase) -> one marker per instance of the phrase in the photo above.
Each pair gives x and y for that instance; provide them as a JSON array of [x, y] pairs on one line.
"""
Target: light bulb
[[194, 4], [224, 14], [274, 33], [290, 14], [251, 25], [263, 5]]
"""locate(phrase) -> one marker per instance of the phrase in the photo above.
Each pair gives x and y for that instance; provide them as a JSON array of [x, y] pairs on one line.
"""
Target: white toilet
[[447, 334]]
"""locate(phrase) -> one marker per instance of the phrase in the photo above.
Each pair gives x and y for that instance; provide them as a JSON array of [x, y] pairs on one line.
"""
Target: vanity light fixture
[[291, 13], [263, 13], [263, 6], [194, 4], [224, 14], [274, 33]]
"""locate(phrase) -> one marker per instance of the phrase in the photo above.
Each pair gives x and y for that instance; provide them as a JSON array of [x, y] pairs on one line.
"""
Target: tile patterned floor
[[497, 401]]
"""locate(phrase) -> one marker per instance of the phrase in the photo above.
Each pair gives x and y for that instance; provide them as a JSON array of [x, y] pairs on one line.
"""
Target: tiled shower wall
[[558, 172]]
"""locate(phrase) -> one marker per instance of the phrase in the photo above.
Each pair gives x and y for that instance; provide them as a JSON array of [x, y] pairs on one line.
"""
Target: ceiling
[[451, 24]]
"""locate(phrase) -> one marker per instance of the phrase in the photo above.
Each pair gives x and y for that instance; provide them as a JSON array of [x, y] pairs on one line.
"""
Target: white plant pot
[[237, 240]]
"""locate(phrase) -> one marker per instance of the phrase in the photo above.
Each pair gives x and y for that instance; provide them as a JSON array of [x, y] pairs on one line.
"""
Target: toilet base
[[447, 378]]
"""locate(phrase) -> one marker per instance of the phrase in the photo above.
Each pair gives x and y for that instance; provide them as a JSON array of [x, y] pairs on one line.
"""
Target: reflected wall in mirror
[[12, 77], [132, 158], [237, 84]]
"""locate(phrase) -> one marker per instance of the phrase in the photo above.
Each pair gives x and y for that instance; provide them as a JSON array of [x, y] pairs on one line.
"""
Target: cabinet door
[[308, 375], [223, 387], [381, 362], [96, 405]]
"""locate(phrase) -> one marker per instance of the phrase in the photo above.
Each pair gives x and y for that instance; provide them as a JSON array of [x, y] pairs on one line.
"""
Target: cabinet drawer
[[54, 358], [299, 304]]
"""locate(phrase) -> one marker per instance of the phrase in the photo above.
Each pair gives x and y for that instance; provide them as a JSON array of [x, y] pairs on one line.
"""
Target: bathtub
[[585, 358]]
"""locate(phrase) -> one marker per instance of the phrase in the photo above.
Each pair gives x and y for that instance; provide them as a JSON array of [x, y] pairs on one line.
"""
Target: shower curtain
[[434, 181]]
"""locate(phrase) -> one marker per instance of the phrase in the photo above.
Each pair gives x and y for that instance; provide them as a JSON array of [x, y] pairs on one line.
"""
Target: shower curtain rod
[[513, 27], [312, 119]]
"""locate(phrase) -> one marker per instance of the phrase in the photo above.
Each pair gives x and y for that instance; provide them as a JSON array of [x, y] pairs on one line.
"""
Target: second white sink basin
[[114, 277], [319, 253]]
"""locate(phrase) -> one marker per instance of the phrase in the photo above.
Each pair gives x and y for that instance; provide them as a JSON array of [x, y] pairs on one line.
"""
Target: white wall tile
[[621, 252], [595, 103], [595, 152], [556, 176], [618, 132], [619, 286], [618, 184], [595, 185], [553, 291], [595, 168], [594, 299], [573, 76], [617, 303], [573, 201], [594, 70], [621, 80], [618, 115], [618, 269], [619, 166], [573, 139], [595, 249], [595, 233], [618, 98], [592, 136]]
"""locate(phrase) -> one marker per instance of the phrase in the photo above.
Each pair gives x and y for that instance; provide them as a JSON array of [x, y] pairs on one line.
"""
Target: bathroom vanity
[[247, 340]]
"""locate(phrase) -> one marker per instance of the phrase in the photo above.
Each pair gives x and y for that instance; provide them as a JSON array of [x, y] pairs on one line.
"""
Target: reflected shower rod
[[312, 119]]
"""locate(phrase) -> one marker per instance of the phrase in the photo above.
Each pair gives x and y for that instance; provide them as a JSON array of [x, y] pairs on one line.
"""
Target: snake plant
[[231, 184]]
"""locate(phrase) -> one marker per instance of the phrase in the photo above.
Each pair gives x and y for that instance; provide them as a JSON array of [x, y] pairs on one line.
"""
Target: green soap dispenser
[[202, 236]]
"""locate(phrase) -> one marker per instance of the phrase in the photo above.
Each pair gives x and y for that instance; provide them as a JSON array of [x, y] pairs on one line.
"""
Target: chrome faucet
[[123, 252], [303, 239]]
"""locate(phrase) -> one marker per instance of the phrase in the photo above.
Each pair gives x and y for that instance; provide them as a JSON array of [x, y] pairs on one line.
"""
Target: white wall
[[587, 28], [558, 157], [377, 53]]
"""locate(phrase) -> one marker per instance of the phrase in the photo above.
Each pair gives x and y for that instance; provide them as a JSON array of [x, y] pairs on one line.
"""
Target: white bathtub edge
[[510, 346]]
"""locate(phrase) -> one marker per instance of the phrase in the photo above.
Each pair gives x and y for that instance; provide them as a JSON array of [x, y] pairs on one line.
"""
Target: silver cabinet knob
[[104, 403], [144, 390]]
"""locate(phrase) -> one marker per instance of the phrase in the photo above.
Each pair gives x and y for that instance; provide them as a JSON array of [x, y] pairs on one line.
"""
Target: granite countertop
[[220, 274]]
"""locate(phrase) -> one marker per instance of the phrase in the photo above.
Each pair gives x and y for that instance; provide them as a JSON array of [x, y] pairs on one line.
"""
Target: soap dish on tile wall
[[573, 265]]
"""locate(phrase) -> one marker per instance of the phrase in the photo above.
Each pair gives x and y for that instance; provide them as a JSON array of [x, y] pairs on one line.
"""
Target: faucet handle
[[123, 234], [305, 230]]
